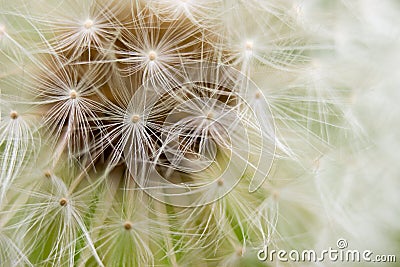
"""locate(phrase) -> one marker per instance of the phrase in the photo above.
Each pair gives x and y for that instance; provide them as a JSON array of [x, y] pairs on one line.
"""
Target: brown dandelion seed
[[47, 174], [63, 202], [13, 115], [152, 55], [135, 118], [128, 225], [73, 94]]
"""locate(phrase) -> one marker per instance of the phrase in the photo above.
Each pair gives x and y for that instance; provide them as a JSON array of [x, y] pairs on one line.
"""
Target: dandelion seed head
[[189, 132], [14, 115], [127, 225], [73, 94], [63, 202], [152, 55]]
